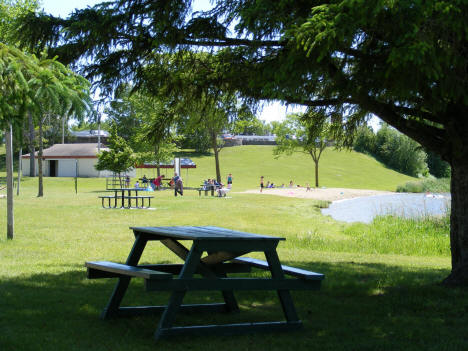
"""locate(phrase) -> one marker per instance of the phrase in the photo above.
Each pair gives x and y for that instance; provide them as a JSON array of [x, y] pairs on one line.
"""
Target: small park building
[[69, 160]]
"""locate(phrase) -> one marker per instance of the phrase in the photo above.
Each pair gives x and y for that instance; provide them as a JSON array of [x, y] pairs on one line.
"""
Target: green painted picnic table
[[223, 248]]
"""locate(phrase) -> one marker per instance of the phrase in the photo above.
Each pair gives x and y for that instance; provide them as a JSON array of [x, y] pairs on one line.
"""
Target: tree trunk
[[459, 225], [158, 168], [316, 173], [9, 172], [32, 163], [20, 154], [63, 129], [39, 162], [214, 142]]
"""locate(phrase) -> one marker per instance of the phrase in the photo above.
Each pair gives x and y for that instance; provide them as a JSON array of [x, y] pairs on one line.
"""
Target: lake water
[[364, 209]]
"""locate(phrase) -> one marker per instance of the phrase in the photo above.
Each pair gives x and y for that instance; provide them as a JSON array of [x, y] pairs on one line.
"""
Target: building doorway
[[53, 168]]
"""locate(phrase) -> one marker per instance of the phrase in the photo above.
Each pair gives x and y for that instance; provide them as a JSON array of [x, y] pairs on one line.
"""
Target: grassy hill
[[337, 169]]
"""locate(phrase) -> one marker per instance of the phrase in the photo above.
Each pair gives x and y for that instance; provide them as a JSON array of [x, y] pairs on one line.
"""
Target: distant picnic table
[[224, 248], [127, 199]]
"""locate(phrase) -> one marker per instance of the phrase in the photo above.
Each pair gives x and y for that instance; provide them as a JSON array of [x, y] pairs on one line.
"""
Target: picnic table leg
[[229, 298], [122, 203], [169, 314], [112, 307], [285, 297], [228, 295]]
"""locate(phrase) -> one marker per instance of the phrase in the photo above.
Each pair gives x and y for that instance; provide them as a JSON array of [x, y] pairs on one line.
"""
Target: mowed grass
[[381, 290], [337, 169]]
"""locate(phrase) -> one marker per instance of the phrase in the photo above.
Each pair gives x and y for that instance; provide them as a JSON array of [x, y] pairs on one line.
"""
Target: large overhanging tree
[[401, 60]]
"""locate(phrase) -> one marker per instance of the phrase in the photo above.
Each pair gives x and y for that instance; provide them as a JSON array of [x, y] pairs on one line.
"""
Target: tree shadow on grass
[[360, 307]]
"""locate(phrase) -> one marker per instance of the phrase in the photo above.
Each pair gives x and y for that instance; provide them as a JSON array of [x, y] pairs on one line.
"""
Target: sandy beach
[[327, 194]]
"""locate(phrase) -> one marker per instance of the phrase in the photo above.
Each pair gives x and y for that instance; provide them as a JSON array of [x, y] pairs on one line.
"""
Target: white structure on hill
[[69, 160], [89, 136]]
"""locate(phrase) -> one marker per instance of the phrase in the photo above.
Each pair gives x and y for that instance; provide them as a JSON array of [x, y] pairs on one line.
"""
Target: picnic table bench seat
[[206, 189], [142, 198], [292, 271], [98, 269], [109, 198], [126, 197]]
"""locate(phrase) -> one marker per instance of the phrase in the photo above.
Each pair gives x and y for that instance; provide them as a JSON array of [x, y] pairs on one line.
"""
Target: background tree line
[[399, 152]]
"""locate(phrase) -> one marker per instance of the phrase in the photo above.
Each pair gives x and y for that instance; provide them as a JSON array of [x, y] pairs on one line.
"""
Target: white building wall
[[25, 166], [86, 167], [67, 168]]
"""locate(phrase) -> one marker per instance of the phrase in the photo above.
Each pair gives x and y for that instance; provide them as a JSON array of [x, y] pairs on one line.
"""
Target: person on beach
[[261, 184]]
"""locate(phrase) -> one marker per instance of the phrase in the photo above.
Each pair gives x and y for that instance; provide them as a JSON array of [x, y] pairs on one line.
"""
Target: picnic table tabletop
[[203, 233]]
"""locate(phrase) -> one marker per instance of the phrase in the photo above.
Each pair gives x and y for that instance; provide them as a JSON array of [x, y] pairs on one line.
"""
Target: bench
[[139, 197], [106, 269], [109, 198], [205, 189], [126, 197], [292, 271]]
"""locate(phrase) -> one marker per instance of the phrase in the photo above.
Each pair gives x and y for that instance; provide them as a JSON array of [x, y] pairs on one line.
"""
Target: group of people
[[177, 184], [220, 188], [150, 184], [272, 185]]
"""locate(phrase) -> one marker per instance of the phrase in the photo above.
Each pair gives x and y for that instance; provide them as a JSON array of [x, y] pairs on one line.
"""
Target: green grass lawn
[[337, 169], [381, 288]]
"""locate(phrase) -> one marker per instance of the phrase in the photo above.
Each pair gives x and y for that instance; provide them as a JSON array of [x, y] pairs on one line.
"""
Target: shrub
[[392, 148], [432, 185], [437, 167]]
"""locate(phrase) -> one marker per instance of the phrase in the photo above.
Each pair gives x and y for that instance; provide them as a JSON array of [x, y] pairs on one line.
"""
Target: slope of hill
[[341, 169]]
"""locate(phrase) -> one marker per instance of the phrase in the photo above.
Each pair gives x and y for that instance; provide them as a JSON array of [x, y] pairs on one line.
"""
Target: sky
[[274, 111]]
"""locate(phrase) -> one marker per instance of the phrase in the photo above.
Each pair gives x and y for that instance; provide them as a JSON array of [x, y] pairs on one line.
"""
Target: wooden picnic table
[[223, 249], [125, 195]]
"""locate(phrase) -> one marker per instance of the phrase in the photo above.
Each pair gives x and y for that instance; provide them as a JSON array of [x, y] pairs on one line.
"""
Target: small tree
[[56, 90], [297, 134], [119, 158]]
